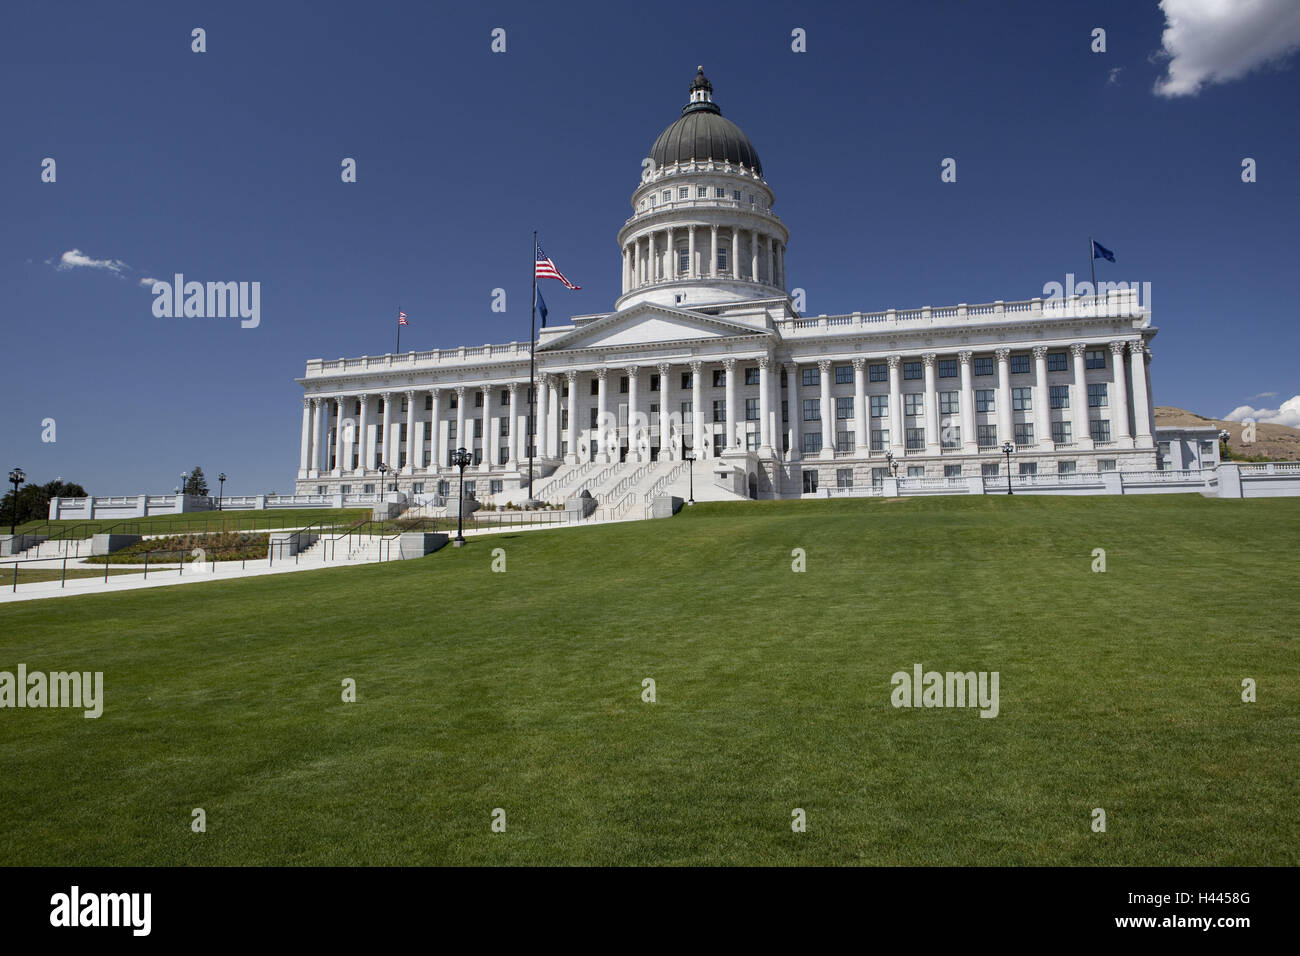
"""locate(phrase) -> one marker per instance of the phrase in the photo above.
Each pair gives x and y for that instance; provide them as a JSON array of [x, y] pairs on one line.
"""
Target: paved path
[[165, 575]]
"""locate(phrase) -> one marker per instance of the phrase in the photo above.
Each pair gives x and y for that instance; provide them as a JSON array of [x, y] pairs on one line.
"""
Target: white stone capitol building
[[704, 353]]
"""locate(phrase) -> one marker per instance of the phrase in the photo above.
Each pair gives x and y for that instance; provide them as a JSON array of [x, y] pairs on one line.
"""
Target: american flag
[[546, 270], [401, 319]]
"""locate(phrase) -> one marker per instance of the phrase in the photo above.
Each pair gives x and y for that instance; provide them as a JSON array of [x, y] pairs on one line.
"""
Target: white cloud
[[1112, 78], [148, 281], [1214, 41], [76, 259], [1287, 414]]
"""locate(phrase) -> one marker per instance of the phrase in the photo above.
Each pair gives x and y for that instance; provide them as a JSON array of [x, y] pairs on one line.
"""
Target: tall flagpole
[[1092, 264], [532, 397]]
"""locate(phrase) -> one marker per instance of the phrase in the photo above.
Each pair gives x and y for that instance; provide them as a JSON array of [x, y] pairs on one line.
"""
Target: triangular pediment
[[647, 324]]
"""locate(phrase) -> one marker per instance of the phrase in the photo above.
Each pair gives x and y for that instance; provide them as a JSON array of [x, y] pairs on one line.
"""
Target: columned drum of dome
[[702, 230]]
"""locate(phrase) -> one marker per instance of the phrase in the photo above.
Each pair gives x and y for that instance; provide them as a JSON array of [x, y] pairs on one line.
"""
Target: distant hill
[[1275, 442]]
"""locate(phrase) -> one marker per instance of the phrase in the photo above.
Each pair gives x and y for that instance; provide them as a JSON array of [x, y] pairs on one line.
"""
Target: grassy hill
[[1272, 442], [522, 690]]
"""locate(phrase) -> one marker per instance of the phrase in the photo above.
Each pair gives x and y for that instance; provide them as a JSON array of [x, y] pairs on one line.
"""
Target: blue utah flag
[[1101, 252], [541, 307]]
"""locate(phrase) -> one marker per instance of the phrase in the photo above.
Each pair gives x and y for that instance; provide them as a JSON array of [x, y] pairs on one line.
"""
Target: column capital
[[764, 361], [895, 361], [410, 395], [695, 367], [631, 370], [729, 364], [965, 356], [1078, 348], [307, 401], [859, 364], [601, 373], [664, 368], [1117, 348], [434, 392], [572, 375], [1040, 353], [460, 392], [1002, 354], [929, 358], [513, 387], [388, 396], [824, 366], [364, 397]]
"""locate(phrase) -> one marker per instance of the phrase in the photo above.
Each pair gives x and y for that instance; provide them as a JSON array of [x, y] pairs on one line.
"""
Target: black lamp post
[[689, 458], [16, 478], [1007, 449], [221, 492], [892, 462], [461, 459], [383, 477], [185, 477]]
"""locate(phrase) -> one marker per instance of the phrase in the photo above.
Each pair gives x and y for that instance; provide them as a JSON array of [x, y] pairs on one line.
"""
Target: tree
[[196, 484], [34, 500]]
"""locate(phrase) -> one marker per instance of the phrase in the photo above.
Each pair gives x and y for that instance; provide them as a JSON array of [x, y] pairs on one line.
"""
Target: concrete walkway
[[165, 575]]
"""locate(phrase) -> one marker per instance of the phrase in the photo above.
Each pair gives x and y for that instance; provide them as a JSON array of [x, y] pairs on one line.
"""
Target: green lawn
[[195, 521], [36, 575], [522, 690]]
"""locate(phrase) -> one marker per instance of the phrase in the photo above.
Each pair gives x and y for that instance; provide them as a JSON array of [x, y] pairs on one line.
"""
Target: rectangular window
[[735, 194], [751, 441], [844, 407], [505, 428], [912, 370], [879, 406], [1094, 358], [684, 192], [688, 413], [986, 435], [595, 386], [1024, 432], [751, 376], [720, 410], [683, 260], [494, 486], [947, 368], [950, 437], [1019, 364], [916, 471], [952, 471], [686, 380], [812, 410], [989, 469], [428, 403], [505, 397], [751, 409], [368, 488], [1207, 448], [844, 375], [345, 489], [1028, 468], [785, 411], [478, 399], [722, 259], [879, 439], [668, 195], [654, 383], [1062, 433], [812, 443], [1065, 467], [1105, 464], [844, 441], [914, 403], [1057, 362], [984, 366], [915, 438], [878, 476], [622, 384], [701, 192], [1022, 399], [719, 377], [592, 421], [1100, 428], [1060, 396], [949, 403], [719, 192], [809, 377], [843, 477], [984, 400], [1097, 395], [810, 482]]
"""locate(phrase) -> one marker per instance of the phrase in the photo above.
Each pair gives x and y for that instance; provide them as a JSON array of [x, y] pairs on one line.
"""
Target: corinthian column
[[1005, 430], [1082, 434], [732, 419], [697, 411], [969, 436], [1119, 403], [861, 439], [764, 406], [602, 420], [572, 457], [1141, 396], [666, 449], [931, 405], [1042, 405], [304, 452]]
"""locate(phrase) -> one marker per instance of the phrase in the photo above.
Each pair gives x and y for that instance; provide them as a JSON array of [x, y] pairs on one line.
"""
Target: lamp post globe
[[16, 477], [1008, 449], [461, 459]]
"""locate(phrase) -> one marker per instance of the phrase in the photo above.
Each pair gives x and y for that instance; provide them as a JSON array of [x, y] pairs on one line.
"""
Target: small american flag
[[546, 270], [401, 319]]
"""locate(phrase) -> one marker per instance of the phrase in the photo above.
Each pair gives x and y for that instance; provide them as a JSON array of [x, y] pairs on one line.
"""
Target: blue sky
[[225, 166]]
